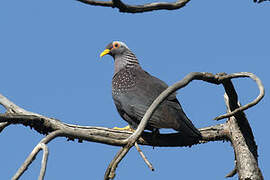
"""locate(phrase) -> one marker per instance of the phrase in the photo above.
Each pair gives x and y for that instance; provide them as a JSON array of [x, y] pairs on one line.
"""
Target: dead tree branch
[[253, 103], [41, 145], [53, 128], [137, 8], [260, 1], [242, 139], [144, 157], [232, 173], [3, 126], [143, 8]]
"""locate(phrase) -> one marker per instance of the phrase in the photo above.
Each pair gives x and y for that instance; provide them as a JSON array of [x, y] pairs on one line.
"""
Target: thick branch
[[13, 108], [109, 136], [242, 139]]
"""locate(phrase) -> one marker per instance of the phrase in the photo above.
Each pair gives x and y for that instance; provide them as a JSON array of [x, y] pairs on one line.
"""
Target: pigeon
[[134, 90]]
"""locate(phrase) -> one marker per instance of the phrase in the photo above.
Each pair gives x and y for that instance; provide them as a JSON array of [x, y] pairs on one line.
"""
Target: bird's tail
[[187, 128]]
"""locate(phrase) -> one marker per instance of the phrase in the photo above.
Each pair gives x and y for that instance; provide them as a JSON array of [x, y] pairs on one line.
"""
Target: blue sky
[[49, 53]]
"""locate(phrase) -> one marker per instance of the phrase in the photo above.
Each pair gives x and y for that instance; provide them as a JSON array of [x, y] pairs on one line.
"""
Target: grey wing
[[125, 111], [184, 124], [133, 104], [174, 114], [132, 107]]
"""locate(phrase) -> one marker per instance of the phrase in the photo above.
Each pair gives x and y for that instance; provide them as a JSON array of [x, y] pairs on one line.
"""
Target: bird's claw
[[127, 128]]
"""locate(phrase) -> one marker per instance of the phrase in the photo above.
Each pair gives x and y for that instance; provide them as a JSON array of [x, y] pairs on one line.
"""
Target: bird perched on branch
[[134, 90]]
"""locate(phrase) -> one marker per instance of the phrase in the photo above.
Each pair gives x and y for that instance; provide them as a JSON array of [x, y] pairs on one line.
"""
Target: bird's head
[[115, 48]]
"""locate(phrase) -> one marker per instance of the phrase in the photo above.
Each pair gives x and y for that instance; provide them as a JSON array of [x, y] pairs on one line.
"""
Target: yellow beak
[[106, 51]]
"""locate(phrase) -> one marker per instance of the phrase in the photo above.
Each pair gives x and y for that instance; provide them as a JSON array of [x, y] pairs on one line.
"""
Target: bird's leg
[[155, 132], [127, 128]]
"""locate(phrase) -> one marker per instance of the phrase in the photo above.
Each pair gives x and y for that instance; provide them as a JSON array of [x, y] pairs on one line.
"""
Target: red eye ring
[[116, 45]]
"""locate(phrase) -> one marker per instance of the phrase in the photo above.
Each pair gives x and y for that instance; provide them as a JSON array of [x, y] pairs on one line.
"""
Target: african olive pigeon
[[134, 90]]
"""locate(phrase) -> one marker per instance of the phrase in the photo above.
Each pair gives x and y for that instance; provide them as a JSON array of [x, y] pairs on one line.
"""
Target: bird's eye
[[115, 45]]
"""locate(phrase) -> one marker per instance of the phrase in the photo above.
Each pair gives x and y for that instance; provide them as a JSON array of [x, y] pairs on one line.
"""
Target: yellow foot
[[127, 128]]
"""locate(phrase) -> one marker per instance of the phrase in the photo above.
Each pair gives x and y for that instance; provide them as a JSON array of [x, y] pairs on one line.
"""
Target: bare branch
[[144, 157], [44, 161], [13, 108], [98, 3], [110, 136], [138, 8], [249, 105], [260, 1], [232, 173], [110, 172], [3, 126], [31, 157], [242, 139]]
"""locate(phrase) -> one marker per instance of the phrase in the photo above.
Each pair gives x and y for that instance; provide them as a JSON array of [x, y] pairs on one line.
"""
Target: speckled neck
[[125, 60]]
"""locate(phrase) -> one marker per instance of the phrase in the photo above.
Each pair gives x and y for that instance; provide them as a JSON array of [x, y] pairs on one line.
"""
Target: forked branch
[[41, 145]]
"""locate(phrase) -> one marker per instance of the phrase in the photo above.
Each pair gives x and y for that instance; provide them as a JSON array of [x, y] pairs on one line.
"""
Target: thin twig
[[232, 173], [249, 105], [44, 161], [3, 125], [108, 175], [33, 154], [110, 172], [97, 3], [144, 157]]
